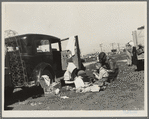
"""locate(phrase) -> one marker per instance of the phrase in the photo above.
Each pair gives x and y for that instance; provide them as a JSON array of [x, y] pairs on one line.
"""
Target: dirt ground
[[124, 93]]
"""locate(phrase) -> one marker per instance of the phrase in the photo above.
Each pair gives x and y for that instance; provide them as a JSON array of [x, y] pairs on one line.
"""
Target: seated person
[[70, 73], [109, 64], [68, 78], [101, 75]]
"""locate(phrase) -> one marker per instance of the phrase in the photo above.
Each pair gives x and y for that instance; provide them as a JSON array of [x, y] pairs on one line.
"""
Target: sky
[[95, 23]]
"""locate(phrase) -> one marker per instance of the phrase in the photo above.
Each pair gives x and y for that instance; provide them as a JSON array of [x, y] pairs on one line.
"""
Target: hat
[[81, 73], [131, 43]]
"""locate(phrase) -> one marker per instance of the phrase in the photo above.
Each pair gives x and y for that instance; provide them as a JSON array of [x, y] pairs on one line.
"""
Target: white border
[[80, 113], [68, 113]]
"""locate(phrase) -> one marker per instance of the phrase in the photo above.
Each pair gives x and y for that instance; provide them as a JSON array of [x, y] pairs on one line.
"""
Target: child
[[102, 76]]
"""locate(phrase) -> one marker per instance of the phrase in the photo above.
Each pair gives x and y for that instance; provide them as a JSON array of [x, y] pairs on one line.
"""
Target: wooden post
[[78, 52], [134, 35]]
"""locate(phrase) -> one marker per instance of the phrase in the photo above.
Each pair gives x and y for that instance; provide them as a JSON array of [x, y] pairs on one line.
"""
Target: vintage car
[[30, 56]]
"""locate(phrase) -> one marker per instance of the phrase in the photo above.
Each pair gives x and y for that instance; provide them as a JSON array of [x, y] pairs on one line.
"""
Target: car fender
[[39, 69]]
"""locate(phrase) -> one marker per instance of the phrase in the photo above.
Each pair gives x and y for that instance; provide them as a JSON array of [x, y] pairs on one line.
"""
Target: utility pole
[[100, 45], [112, 45], [118, 45]]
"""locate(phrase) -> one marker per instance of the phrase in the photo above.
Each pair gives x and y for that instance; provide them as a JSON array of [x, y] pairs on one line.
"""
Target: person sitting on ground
[[81, 86], [101, 74], [110, 65], [71, 72]]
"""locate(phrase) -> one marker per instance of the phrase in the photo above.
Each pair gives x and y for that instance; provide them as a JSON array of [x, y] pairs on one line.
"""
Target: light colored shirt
[[70, 68], [102, 73]]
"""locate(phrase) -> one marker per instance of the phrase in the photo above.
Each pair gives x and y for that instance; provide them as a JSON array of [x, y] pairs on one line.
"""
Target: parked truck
[[30, 56], [138, 39]]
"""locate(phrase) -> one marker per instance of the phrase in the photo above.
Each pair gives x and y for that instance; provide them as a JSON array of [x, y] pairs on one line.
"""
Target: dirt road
[[125, 93]]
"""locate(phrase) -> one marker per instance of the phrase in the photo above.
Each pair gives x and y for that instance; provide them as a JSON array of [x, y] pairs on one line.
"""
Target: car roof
[[34, 36]]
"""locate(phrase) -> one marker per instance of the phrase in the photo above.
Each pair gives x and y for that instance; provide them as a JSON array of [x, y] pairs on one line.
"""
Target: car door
[[65, 54]]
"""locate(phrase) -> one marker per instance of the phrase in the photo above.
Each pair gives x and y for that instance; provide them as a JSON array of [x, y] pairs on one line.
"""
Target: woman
[[71, 72], [110, 65]]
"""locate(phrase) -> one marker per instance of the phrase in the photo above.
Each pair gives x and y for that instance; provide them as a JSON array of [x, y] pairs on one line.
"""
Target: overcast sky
[[93, 22]]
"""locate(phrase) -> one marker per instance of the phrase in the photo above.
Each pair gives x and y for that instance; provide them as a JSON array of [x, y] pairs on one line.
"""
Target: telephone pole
[[100, 45], [112, 45], [118, 45]]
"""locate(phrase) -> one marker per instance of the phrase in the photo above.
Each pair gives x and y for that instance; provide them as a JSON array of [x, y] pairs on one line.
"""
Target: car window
[[55, 47], [42, 46], [11, 46], [11, 49]]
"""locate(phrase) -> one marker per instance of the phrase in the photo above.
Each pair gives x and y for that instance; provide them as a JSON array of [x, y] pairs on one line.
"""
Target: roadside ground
[[124, 93]]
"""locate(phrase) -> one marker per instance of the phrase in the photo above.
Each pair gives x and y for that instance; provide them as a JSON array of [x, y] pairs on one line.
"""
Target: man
[[129, 54]]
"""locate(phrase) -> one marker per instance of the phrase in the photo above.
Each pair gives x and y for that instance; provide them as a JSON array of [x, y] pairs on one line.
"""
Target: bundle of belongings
[[47, 86]]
